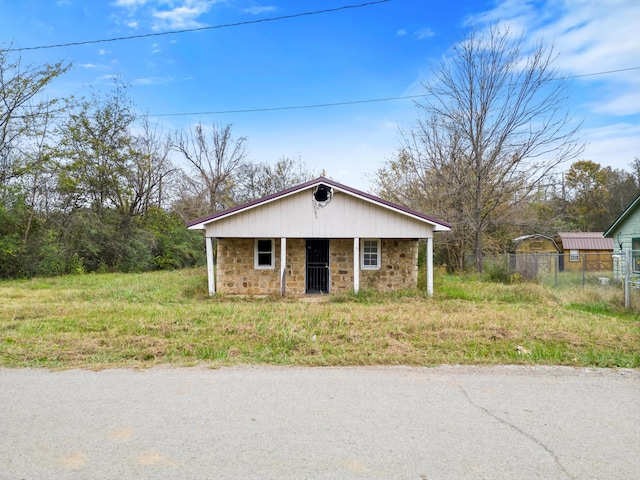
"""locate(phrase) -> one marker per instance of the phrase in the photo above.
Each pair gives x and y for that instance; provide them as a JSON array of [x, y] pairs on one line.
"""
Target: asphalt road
[[320, 423]]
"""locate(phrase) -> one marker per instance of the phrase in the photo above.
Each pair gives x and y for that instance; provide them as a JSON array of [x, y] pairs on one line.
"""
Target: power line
[[349, 102], [356, 102], [597, 73], [291, 107], [199, 29]]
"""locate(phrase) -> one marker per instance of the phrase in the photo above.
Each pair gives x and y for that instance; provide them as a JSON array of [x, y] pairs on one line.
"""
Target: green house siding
[[626, 231], [626, 228]]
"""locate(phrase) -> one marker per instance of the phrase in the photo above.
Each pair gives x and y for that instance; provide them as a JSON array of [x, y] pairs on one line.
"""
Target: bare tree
[[213, 162], [153, 169], [260, 179], [493, 125]]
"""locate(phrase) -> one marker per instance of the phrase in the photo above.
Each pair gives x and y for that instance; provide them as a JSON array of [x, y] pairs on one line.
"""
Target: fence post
[[584, 268], [627, 279], [556, 265]]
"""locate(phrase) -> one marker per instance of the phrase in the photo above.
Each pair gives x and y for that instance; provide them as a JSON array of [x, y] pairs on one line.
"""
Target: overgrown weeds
[[114, 320]]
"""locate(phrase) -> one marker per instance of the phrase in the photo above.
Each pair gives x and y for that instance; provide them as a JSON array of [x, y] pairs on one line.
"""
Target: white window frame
[[574, 255], [364, 252], [256, 254]]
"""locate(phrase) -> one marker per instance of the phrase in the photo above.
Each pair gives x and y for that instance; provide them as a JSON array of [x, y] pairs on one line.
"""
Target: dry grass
[[143, 320]]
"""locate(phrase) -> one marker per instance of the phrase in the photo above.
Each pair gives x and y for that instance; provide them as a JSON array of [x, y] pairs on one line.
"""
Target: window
[[574, 255], [635, 254], [264, 257], [370, 254]]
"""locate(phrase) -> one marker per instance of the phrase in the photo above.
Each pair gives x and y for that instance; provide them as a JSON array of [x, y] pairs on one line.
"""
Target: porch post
[[356, 264], [210, 266], [283, 265], [430, 266]]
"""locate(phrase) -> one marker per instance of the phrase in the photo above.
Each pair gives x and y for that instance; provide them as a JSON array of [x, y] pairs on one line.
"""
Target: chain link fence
[[603, 270]]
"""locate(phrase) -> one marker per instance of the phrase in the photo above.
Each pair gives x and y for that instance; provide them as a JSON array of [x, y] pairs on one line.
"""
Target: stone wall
[[398, 267], [236, 274], [235, 269]]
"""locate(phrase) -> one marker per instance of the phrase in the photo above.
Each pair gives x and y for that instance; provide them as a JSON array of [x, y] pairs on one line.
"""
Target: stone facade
[[236, 274], [398, 269]]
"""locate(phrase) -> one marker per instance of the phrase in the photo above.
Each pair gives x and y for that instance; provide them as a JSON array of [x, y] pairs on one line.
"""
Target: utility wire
[[356, 102], [199, 29], [291, 107], [350, 102]]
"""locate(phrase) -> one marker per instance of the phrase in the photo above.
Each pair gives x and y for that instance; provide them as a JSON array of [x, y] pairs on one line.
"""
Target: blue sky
[[374, 52]]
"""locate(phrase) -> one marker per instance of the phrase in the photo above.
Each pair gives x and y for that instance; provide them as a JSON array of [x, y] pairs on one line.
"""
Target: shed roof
[[438, 225], [585, 241], [517, 241]]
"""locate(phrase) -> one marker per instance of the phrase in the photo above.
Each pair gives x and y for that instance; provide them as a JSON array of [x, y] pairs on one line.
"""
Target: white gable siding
[[296, 216]]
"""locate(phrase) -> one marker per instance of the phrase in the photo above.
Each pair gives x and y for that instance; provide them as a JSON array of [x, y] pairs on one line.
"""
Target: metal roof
[[201, 222], [585, 241], [536, 236]]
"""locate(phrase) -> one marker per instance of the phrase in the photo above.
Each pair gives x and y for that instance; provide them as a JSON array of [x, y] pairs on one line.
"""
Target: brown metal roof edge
[[581, 234], [305, 185]]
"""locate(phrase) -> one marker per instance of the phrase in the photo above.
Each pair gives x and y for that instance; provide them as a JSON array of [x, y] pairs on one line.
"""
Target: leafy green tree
[[12, 245], [174, 246], [586, 183], [96, 154], [24, 109]]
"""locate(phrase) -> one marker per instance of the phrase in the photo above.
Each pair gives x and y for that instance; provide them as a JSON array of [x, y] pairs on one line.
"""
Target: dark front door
[[318, 266]]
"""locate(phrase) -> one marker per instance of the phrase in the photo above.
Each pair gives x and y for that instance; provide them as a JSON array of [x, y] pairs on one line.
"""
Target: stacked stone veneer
[[236, 273]]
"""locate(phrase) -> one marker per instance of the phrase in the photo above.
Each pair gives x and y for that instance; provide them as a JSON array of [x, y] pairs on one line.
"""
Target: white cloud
[[155, 80], [260, 10], [130, 3], [589, 37], [401, 33], [87, 65], [164, 14], [423, 33], [102, 51], [613, 145], [183, 16]]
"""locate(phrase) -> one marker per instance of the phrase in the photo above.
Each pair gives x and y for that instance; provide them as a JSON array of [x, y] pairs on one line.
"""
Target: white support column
[[283, 266], [210, 266], [356, 264], [430, 266]]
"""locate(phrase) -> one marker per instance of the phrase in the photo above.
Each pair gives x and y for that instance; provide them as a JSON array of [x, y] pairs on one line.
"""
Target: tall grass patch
[[147, 319]]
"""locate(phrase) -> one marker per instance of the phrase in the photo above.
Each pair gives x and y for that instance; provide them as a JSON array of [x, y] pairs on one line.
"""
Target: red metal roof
[[585, 241]]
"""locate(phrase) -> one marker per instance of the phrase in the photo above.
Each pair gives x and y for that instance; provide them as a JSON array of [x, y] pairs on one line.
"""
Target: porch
[[298, 266]]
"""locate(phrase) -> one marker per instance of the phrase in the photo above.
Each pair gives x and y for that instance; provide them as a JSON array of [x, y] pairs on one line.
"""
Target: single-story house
[[590, 251], [624, 233], [316, 237]]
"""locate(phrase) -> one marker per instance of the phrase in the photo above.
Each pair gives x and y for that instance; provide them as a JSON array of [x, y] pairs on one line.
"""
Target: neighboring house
[[588, 251], [624, 233], [317, 237], [534, 254]]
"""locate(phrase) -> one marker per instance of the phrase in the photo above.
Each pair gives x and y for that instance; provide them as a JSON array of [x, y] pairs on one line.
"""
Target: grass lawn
[[141, 320]]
